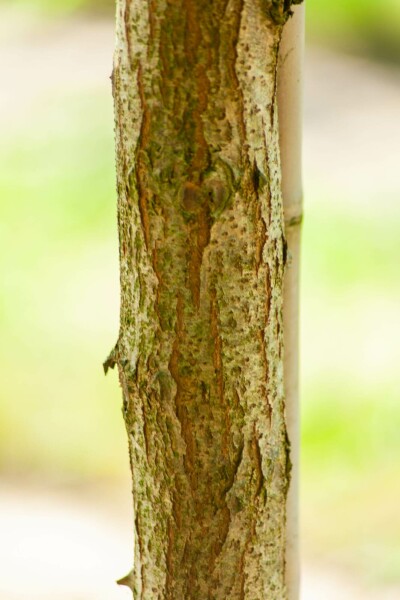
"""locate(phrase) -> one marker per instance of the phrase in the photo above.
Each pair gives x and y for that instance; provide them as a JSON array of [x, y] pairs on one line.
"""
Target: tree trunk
[[202, 257]]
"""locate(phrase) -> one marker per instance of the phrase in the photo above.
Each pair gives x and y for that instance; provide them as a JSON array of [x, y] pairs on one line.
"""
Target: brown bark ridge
[[202, 255]]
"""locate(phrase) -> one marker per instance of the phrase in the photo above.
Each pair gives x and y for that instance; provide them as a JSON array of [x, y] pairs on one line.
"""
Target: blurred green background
[[366, 26], [59, 417]]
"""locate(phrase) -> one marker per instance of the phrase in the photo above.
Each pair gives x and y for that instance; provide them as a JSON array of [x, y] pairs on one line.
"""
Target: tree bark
[[202, 257]]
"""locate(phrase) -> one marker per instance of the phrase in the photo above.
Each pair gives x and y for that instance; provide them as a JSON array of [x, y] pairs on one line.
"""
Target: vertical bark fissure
[[140, 163], [200, 348]]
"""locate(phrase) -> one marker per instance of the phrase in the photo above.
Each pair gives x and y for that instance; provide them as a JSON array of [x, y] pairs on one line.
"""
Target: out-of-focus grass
[[59, 308], [350, 390]]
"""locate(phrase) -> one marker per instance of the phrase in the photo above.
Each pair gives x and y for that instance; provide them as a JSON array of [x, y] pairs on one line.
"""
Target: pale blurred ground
[[65, 515]]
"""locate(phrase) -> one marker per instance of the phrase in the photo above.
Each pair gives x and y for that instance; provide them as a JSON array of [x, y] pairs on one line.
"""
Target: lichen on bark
[[202, 252]]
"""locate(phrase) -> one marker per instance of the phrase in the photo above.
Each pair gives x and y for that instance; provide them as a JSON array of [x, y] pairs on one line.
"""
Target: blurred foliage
[[350, 410], [59, 308], [364, 26], [53, 7]]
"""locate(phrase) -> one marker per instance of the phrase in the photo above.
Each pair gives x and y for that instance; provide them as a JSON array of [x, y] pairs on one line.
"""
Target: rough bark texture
[[202, 254]]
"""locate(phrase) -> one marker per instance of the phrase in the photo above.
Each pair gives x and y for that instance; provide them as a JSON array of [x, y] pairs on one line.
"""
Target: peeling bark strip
[[202, 260]]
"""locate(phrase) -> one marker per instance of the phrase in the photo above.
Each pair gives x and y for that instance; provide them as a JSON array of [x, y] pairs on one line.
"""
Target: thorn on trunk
[[127, 580], [111, 360]]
